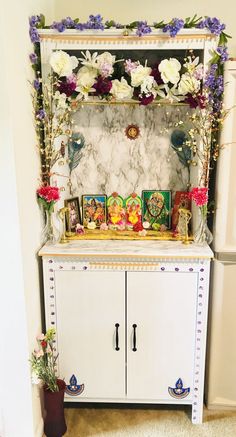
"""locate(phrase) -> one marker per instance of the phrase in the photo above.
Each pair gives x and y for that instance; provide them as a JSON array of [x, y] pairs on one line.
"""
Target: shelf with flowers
[[101, 77]]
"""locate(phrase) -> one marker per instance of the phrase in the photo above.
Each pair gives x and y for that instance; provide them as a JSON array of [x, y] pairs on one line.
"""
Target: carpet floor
[[159, 422]]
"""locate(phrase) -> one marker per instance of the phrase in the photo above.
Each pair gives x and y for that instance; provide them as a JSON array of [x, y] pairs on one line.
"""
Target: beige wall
[[125, 11]]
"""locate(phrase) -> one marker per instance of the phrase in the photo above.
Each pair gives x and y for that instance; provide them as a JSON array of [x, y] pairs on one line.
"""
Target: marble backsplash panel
[[109, 161]]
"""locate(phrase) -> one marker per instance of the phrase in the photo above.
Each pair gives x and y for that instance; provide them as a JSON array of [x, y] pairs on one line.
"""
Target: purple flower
[[33, 58], [212, 24], [102, 86], [58, 25], [223, 52], [196, 101], [34, 20], [40, 114], [174, 26], [36, 84], [146, 99], [95, 22], [34, 35], [80, 26], [210, 80], [67, 87], [68, 22], [143, 28]]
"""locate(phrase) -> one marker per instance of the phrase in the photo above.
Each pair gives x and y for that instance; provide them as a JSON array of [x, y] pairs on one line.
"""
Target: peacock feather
[[75, 145], [178, 143]]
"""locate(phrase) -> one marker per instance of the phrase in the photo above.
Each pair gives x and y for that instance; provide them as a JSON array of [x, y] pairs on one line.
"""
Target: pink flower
[[48, 193], [38, 353], [130, 66], [103, 227], [79, 229], [199, 195]]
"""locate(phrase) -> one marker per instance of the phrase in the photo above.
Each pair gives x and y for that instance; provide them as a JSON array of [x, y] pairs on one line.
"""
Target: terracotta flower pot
[[54, 422]]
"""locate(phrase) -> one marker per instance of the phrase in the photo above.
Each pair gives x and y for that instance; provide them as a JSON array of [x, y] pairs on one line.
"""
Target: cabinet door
[[89, 305], [163, 306]]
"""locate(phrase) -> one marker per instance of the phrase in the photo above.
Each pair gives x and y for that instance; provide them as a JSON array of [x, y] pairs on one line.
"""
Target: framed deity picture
[[94, 209], [157, 207], [73, 216]]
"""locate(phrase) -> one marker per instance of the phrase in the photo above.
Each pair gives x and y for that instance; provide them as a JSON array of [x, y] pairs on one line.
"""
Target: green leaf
[[76, 20], [132, 25], [159, 25]]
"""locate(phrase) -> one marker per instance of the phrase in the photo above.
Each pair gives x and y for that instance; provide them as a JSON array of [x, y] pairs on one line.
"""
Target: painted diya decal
[[116, 212], [74, 389], [179, 392], [133, 207], [156, 208], [132, 131]]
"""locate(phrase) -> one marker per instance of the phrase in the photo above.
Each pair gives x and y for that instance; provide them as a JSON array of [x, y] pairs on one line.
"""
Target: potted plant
[[43, 363]]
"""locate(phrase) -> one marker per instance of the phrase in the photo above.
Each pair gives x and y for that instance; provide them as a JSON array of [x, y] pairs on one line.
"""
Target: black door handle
[[134, 338], [117, 337]]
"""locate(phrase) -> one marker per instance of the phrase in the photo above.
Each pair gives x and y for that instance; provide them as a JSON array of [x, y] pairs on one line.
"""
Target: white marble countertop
[[126, 248]]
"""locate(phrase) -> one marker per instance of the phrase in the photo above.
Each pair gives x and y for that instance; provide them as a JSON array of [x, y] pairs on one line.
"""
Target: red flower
[[43, 344], [199, 196], [138, 226], [48, 193]]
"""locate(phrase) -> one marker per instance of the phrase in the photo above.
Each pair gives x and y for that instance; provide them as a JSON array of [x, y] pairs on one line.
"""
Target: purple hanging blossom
[[219, 85], [34, 35], [33, 58], [34, 20], [223, 52], [210, 80], [174, 26], [143, 28], [212, 24], [95, 22]]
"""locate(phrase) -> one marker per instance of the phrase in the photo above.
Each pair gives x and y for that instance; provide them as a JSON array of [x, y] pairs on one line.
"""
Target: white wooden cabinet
[[130, 320]]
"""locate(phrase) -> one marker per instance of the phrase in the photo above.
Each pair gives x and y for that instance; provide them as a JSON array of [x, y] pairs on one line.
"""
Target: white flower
[[121, 89], [86, 78], [139, 74], [34, 378], [60, 100], [62, 63], [89, 60], [148, 85], [169, 69], [188, 84]]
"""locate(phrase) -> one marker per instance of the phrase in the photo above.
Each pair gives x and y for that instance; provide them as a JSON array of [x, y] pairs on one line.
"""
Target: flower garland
[[95, 75]]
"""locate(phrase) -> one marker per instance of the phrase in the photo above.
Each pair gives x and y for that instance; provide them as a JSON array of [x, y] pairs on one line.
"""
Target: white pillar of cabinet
[[158, 295]]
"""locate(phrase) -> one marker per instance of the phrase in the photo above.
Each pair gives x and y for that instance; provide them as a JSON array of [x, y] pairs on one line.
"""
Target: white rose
[[105, 58], [121, 89], [147, 86], [139, 74], [86, 78], [62, 63], [169, 69], [188, 84]]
